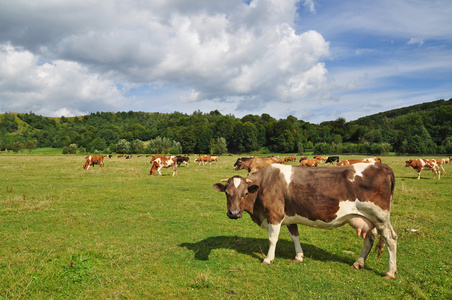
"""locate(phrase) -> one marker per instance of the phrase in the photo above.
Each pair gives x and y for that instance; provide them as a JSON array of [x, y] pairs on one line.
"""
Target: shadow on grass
[[257, 248]]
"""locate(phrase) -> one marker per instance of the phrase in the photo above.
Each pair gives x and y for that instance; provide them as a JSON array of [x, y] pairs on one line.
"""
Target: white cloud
[[51, 89], [416, 41], [219, 49]]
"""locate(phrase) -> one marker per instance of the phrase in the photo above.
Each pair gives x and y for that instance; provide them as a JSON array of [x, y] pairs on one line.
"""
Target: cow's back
[[307, 192]]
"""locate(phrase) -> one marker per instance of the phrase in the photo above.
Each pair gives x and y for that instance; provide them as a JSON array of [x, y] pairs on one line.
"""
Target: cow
[[289, 158], [254, 164], [444, 162], [303, 158], [214, 158], [154, 157], [164, 162], [421, 164], [359, 160], [92, 160], [203, 159], [332, 159], [129, 156], [309, 163], [359, 195], [120, 155], [182, 159]]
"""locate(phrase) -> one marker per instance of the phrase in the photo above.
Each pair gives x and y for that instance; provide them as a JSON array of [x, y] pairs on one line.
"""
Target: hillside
[[423, 128]]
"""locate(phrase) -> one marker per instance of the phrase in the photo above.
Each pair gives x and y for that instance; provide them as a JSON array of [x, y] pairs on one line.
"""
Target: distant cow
[[332, 159], [214, 158], [92, 160], [421, 164], [203, 159], [303, 158], [309, 163], [154, 157], [359, 195], [164, 162], [254, 164], [359, 160], [182, 159], [120, 155], [289, 158]]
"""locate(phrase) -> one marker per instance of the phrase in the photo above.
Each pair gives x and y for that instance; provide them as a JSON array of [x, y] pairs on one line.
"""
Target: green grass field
[[118, 233]]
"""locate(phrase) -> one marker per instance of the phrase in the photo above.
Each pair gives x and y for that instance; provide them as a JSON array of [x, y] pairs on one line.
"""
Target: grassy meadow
[[118, 233]]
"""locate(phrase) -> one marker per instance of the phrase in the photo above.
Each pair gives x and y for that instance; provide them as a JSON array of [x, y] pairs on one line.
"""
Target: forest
[[419, 129]]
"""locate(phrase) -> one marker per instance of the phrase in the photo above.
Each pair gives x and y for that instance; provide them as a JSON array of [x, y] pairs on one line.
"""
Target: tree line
[[420, 129]]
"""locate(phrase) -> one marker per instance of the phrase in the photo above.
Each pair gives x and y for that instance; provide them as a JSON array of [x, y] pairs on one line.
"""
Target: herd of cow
[[357, 192]]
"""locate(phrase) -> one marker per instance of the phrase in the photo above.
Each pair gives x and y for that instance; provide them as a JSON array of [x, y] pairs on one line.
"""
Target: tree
[[137, 146], [220, 146], [30, 145], [123, 146]]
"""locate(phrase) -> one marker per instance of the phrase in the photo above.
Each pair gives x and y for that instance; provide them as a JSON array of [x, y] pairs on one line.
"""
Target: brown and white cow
[[203, 159], [359, 160], [309, 163], [359, 195], [421, 164], [154, 157], [214, 158], [254, 164], [164, 162], [289, 158], [92, 160]]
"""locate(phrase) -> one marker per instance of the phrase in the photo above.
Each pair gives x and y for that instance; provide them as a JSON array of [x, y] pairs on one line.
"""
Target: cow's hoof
[[296, 260], [265, 262], [387, 276], [356, 266]]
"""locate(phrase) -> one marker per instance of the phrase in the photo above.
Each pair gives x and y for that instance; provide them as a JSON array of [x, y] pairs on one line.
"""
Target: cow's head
[[236, 190], [86, 165], [408, 163], [154, 168]]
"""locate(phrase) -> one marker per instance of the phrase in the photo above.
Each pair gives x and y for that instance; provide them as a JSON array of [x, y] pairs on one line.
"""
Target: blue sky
[[316, 60]]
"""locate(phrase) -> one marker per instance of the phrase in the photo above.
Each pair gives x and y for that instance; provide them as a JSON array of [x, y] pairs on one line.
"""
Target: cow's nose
[[234, 214]]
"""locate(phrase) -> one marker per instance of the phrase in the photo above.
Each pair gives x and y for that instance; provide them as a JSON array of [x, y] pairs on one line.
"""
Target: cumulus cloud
[[207, 51], [52, 89]]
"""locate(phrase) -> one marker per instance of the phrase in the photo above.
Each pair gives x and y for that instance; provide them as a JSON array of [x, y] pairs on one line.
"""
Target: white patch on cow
[[347, 209], [359, 169], [285, 170], [237, 182]]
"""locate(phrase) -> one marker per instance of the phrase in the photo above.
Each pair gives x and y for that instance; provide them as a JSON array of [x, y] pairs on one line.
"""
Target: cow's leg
[[174, 170], [390, 238], [295, 236], [442, 167], [367, 246], [418, 175], [273, 233]]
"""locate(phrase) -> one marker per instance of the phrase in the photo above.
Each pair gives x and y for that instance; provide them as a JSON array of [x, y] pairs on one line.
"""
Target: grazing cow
[[182, 159], [92, 160], [254, 164], [129, 156], [289, 158], [332, 159], [154, 157], [359, 160], [303, 158], [309, 163], [204, 159], [214, 158], [421, 164], [164, 162], [120, 155], [359, 195]]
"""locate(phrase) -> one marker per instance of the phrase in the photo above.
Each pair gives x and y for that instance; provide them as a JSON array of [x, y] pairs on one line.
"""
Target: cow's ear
[[253, 188], [219, 187]]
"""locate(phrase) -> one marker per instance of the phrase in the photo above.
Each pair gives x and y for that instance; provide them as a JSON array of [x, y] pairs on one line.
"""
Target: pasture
[[119, 233]]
